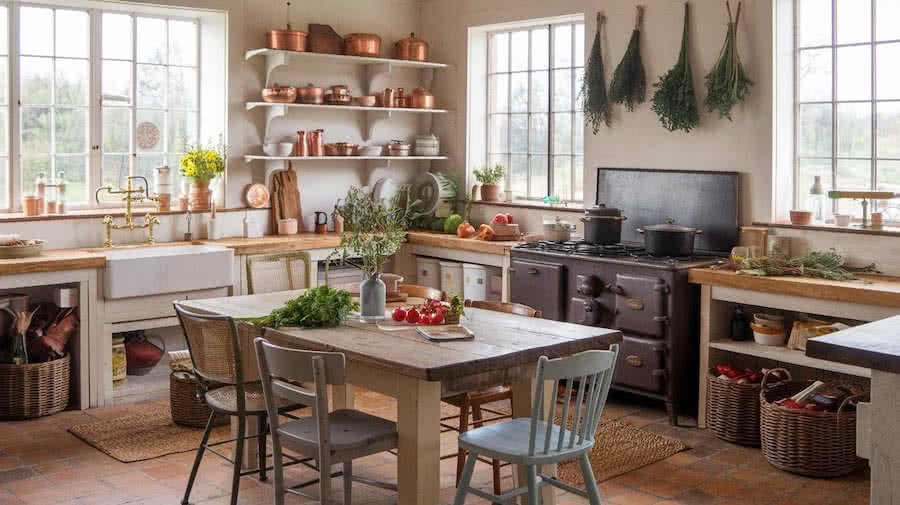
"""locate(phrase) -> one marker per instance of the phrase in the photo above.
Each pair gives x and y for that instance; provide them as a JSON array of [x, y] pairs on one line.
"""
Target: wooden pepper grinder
[[337, 219]]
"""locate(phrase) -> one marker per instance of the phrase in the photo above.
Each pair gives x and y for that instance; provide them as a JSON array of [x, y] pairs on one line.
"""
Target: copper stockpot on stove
[[362, 44], [411, 48]]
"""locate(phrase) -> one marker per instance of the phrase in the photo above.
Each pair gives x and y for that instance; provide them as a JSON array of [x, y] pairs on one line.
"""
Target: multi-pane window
[[848, 97], [535, 127], [4, 108]]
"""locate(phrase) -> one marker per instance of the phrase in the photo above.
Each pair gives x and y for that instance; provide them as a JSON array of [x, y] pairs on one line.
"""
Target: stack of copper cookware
[[420, 98]]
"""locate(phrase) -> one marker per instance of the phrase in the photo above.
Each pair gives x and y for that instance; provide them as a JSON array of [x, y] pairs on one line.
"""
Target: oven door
[[584, 311], [539, 285], [641, 365], [641, 305]]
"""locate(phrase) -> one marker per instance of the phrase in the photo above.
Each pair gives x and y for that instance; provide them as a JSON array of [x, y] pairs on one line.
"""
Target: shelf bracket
[[274, 61], [372, 119], [374, 70]]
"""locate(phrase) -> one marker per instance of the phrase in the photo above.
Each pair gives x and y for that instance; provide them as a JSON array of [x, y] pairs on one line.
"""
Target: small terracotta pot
[[200, 196], [490, 192]]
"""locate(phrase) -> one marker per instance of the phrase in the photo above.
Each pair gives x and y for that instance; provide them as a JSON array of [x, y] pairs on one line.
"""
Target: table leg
[[251, 448], [522, 397], [342, 396], [418, 424]]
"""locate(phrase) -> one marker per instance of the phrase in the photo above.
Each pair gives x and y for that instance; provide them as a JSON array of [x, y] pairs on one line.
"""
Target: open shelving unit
[[784, 355]]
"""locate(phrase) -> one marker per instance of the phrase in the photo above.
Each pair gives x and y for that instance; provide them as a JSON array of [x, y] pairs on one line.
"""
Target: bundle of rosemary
[[819, 264], [629, 83], [594, 100], [674, 100], [727, 84]]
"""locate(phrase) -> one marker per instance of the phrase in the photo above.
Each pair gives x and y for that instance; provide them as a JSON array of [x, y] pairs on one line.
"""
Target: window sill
[[888, 231], [18, 217], [528, 204]]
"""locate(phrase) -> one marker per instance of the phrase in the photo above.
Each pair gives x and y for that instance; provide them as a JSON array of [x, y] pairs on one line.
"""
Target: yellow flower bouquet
[[202, 164]]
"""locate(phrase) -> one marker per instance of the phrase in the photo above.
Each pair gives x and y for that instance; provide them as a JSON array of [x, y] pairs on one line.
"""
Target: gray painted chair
[[538, 440], [337, 437]]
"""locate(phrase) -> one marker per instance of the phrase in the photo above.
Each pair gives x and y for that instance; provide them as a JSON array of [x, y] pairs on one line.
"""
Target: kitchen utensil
[[370, 150], [25, 249], [801, 217], [421, 98], [506, 232], [411, 48], [387, 97], [278, 148], [323, 39], [340, 149], [287, 39], [399, 99], [311, 94], [427, 145], [385, 189], [337, 99], [397, 148], [778, 247], [430, 190], [669, 239], [31, 205], [301, 146], [285, 196], [321, 222], [287, 226], [365, 101], [557, 231], [141, 355], [279, 94], [877, 218], [337, 220], [768, 336], [842, 220], [315, 141], [362, 44], [602, 225], [257, 196], [392, 282]]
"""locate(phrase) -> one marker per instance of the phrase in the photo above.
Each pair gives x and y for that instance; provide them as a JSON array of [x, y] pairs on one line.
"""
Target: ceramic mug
[[287, 226], [842, 220]]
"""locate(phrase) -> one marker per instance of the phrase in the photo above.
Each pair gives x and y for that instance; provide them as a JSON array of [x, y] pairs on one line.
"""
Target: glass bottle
[[739, 325], [40, 190], [817, 199], [61, 193]]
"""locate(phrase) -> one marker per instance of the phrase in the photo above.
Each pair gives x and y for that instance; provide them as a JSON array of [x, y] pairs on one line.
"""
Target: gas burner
[[585, 249]]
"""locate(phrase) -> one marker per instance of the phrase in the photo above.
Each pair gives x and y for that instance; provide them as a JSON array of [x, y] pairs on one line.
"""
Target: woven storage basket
[[34, 390], [814, 444], [732, 410], [186, 393]]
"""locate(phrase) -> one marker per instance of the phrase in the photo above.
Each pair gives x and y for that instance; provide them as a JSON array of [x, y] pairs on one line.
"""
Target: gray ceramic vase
[[372, 298]]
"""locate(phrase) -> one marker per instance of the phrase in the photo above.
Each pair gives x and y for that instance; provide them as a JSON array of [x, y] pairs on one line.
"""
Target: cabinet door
[[641, 305], [541, 286]]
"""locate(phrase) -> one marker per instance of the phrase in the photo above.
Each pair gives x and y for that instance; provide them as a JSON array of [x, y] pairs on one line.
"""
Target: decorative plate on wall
[[257, 196], [147, 136]]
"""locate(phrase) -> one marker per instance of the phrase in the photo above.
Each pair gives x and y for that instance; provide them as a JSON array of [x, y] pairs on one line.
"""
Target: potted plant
[[374, 231], [489, 177], [202, 165]]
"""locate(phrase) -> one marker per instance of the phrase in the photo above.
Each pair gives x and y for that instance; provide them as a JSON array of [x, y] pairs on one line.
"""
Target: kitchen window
[[847, 96], [535, 127], [144, 70]]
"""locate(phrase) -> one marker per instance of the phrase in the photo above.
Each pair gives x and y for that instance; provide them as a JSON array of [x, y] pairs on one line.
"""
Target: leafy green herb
[[629, 82], [727, 84], [819, 264], [490, 175], [321, 307], [594, 100], [674, 100]]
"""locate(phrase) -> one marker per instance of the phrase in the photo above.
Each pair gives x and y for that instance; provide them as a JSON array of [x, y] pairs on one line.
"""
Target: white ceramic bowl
[[278, 149], [370, 150], [768, 336], [842, 220], [774, 321]]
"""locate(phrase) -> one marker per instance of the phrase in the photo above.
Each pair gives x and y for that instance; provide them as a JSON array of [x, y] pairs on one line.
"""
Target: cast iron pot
[[669, 239], [602, 225]]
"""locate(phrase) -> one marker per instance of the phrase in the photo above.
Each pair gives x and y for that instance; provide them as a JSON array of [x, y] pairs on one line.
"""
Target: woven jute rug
[[145, 432]]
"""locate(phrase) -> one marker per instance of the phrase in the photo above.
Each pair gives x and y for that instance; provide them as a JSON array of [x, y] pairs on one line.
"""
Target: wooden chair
[[471, 405], [337, 437], [415, 291], [216, 356], [538, 440], [268, 273]]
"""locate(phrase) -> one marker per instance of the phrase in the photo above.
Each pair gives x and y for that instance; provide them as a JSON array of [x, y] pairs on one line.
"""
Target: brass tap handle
[[106, 187]]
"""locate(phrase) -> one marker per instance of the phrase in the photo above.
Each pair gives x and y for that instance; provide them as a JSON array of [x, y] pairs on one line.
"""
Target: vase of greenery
[[489, 177], [202, 165], [374, 231]]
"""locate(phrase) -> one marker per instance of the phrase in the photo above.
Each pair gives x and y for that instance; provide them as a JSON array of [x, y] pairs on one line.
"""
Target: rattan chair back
[[213, 344], [269, 273]]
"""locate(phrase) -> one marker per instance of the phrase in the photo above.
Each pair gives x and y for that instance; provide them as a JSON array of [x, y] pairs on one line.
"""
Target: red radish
[[412, 316], [399, 314]]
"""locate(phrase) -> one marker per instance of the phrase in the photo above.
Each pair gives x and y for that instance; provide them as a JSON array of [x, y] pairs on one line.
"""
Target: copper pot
[[315, 141], [338, 95], [398, 148], [279, 94], [421, 98], [288, 39], [340, 149], [311, 94], [411, 48], [362, 44]]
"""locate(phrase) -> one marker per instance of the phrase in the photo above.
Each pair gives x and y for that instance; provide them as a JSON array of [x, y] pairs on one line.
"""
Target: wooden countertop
[[55, 260], [434, 239], [880, 290], [276, 243], [874, 345]]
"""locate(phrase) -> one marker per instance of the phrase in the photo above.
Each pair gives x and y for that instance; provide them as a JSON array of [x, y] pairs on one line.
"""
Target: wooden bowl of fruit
[[504, 228]]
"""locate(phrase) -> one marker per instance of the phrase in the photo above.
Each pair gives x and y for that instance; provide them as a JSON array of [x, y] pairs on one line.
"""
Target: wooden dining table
[[398, 362]]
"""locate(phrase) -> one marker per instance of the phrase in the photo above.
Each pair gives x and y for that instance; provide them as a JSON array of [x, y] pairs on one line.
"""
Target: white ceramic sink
[[147, 271]]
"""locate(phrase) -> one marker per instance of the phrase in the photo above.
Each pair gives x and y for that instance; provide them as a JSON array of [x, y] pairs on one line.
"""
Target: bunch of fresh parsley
[[321, 307]]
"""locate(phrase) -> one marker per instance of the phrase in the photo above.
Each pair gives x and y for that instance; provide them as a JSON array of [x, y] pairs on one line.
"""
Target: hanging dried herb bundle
[[629, 83], [674, 100], [727, 84], [594, 100]]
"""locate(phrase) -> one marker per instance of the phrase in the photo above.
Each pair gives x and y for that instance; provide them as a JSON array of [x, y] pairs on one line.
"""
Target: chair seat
[[508, 441], [351, 431], [224, 399], [489, 395]]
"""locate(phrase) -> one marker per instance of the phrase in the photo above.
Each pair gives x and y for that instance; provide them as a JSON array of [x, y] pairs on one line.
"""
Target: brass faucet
[[132, 194]]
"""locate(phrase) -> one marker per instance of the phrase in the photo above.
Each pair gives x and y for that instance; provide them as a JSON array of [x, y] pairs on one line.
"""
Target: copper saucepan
[[311, 94], [421, 98], [279, 94], [411, 48], [288, 39], [362, 44]]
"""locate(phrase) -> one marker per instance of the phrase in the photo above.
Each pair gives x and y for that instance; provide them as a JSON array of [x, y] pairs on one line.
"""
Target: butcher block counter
[[432, 239], [58, 260], [278, 243]]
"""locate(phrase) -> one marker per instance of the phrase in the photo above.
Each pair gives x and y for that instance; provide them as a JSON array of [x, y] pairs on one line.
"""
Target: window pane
[[854, 174], [72, 38], [116, 82], [115, 169], [854, 130], [151, 40], [806, 173], [518, 173], [4, 22], [888, 78], [519, 92], [182, 128], [540, 48], [182, 88], [72, 82], [854, 21], [4, 75], [71, 130], [149, 130], [116, 130], [35, 130], [31, 167], [579, 45], [117, 35], [4, 183], [815, 22], [36, 78], [518, 45], [518, 133], [36, 25], [854, 73], [4, 133], [539, 133], [814, 75], [578, 131], [815, 133], [499, 134], [499, 92], [578, 183], [75, 169], [182, 43], [146, 165], [889, 130], [886, 26], [540, 99], [562, 177], [562, 90], [562, 46], [499, 52], [538, 177], [151, 86], [562, 133], [889, 175]]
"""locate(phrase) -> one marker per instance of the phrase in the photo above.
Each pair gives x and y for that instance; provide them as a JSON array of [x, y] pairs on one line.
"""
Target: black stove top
[[621, 251]]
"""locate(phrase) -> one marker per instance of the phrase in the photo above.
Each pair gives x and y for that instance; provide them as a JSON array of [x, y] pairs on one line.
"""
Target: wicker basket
[[732, 410], [814, 444], [186, 393], [34, 390]]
